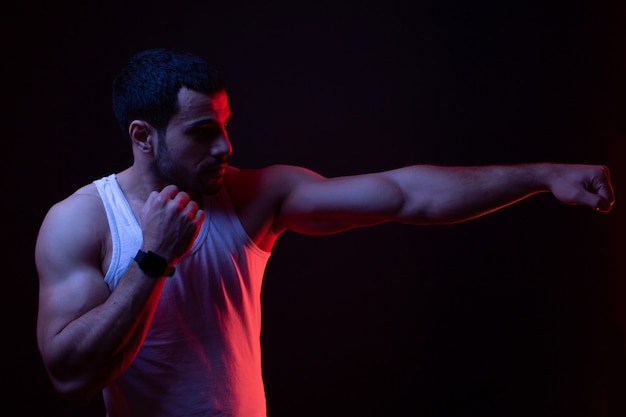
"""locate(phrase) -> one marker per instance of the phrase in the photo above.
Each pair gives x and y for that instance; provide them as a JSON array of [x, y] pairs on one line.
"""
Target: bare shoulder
[[83, 205], [276, 179], [73, 227], [258, 195], [266, 187]]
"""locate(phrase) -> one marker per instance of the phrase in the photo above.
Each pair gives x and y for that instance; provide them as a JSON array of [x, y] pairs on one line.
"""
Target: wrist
[[153, 265]]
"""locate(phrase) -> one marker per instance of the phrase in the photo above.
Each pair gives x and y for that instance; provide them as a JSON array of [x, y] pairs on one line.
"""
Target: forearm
[[97, 347], [439, 195]]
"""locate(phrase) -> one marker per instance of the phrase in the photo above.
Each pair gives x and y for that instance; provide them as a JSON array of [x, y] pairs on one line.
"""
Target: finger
[[603, 205], [182, 198], [199, 216], [190, 208], [604, 191], [606, 198], [169, 191], [596, 202]]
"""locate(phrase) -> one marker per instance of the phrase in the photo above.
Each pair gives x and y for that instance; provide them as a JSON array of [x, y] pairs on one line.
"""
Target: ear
[[142, 134]]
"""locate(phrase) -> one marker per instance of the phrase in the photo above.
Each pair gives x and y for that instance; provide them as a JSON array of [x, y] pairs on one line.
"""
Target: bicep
[[67, 256], [320, 205]]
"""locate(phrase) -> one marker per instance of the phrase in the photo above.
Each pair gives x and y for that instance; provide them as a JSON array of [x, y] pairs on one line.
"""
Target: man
[[150, 278]]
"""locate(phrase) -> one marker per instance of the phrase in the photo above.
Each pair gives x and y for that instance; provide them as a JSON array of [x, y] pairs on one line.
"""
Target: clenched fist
[[170, 221], [588, 185]]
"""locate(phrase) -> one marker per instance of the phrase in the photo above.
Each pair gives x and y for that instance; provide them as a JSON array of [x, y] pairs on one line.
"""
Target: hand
[[170, 222], [588, 185]]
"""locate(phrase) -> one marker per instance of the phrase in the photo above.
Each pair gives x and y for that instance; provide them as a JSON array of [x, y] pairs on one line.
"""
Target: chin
[[202, 188], [213, 187]]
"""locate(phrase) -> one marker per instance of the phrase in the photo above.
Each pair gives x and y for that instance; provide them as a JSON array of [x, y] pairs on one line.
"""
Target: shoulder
[[278, 178], [83, 203], [269, 185], [79, 218], [258, 195]]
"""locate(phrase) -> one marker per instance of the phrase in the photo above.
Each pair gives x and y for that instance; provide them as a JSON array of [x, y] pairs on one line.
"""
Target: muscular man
[[150, 278]]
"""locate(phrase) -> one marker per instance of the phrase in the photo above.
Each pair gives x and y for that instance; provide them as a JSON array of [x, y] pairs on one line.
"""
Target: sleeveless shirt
[[201, 355]]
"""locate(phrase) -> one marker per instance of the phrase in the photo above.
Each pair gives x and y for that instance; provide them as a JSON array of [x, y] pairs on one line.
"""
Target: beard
[[164, 167]]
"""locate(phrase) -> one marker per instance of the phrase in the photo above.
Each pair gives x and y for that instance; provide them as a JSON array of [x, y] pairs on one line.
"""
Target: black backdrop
[[514, 314]]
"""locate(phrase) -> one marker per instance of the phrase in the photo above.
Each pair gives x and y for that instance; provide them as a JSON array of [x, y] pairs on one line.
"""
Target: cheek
[[192, 156], [178, 152]]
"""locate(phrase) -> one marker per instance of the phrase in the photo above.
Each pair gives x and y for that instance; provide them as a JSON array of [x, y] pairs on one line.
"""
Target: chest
[[256, 212]]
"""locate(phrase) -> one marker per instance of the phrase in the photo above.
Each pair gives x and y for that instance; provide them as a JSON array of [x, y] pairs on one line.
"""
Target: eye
[[209, 132]]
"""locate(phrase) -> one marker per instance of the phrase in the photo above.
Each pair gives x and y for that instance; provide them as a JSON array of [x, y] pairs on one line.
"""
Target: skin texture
[[88, 335]]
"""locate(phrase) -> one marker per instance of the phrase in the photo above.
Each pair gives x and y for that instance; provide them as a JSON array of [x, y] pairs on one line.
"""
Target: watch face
[[154, 265]]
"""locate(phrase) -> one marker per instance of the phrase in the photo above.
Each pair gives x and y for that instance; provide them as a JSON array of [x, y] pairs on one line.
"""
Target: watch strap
[[153, 265]]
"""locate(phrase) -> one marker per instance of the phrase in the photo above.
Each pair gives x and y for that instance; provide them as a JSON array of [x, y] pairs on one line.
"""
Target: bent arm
[[427, 194], [87, 335]]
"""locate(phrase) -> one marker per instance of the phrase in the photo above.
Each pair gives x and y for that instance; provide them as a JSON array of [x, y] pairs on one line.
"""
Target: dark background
[[515, 314]]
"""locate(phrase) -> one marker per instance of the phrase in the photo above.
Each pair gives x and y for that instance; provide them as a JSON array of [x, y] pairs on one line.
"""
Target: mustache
[[217, 164]]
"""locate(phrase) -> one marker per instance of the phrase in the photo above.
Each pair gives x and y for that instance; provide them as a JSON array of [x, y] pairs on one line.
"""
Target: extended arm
[[426, 194]]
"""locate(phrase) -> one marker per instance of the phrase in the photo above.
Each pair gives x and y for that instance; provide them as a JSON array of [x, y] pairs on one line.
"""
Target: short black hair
[[147, 87]]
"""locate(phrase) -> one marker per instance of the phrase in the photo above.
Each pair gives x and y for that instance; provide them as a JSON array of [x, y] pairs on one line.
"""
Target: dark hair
[[147, 87]]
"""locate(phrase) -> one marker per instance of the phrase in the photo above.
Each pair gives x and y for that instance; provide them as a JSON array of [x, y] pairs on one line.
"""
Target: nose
[[221, 146]]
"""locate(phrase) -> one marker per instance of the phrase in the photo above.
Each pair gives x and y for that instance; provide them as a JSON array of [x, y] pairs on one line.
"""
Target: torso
[[256, 202], [254, 199]]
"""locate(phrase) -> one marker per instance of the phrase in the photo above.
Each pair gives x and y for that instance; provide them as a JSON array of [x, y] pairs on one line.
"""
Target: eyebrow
[[205, 122], [202, 122]]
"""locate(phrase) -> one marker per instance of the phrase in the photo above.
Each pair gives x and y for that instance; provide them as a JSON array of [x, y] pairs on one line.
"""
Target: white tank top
[[201, 356]]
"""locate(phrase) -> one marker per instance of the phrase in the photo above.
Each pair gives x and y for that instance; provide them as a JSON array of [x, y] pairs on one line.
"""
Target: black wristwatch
[[154, 265]]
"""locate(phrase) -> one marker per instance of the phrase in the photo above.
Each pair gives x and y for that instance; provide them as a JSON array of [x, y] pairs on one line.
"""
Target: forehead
[[194, 105]]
